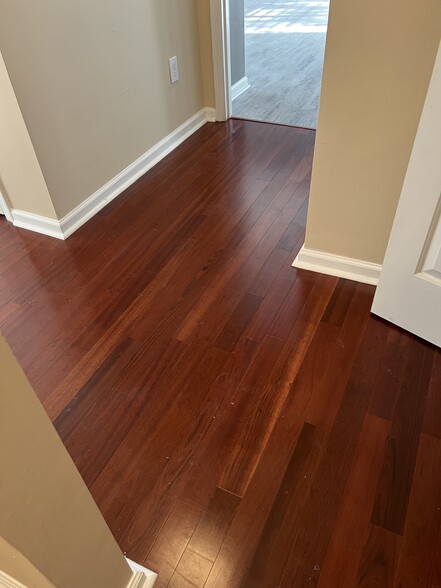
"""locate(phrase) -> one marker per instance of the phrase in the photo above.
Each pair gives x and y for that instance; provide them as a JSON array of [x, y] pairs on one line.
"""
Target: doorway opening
[[276, 59]]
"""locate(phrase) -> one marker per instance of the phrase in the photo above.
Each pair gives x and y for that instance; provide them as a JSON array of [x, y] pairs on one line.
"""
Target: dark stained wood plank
[[432, 413], [243, 536], [163, 179], [121, 486], [379, 560], [200, 554], [396, 476], [185, 473], [15, 253], [7, 311], [265, 278], [45, 334], [145, 227], [392, 373], [328, 363], [418, 553], [273, 198], [173, 302], [295, 230], [243, 265], [337, 308], [273, 549], [172, 540], [329, 376], [303, 169], [86, 399], [260, 422], [342, 559], [228, 211], [281, 285], [97, 420], [238, 455], [317, 519], [238, 321], [292, 304], [278, 162], [101, 348], [436, 568]]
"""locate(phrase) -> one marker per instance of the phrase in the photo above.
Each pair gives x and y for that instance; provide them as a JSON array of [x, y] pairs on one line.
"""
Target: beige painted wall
[[206, 52], [19, 568], [93, 85], [21, 181], [378, 62], [47, 513]]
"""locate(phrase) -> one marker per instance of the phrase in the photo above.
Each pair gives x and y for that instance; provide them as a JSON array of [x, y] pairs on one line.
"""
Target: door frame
[[5, 208], [220, 39]]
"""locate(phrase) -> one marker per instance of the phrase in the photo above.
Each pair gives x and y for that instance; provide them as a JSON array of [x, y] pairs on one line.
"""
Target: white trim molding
[[9, 582], [142, 577], [86, 210], [220, 37], [39, 224], [210, 114], [239, 87], [337, 265], [4, 208]]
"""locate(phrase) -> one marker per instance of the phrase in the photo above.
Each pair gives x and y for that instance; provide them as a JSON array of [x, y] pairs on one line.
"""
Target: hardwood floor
[[240, 423]]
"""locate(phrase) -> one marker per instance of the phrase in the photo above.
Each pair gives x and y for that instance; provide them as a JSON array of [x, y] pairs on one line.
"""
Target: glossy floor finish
[[240, 423], [284, 54]]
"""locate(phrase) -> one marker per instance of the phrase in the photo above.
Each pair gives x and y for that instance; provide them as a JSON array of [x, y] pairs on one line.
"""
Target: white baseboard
[[336, 265], [4, 208], [9, 582], [36, 223], [211, 114], [88, 208], [142, 577], [239, 87]]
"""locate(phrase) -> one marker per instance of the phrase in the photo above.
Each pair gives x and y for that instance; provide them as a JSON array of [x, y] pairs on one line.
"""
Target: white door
[[2, 205], [409, 290]]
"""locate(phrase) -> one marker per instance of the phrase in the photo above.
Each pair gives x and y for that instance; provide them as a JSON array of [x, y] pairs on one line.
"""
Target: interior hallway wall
[[206, 51], [378, 62], [21, 180], [20, 568], [47, 513], [92, 82]]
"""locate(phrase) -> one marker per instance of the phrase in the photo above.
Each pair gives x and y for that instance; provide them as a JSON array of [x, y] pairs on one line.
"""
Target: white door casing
[[220, 35], [409, 289]]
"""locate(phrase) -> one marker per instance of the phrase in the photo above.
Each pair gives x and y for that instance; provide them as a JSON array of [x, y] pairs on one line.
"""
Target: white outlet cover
[[174, 70]]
